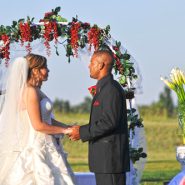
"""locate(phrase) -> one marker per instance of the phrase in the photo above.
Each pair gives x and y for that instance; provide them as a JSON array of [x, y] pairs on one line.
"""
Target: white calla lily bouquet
[[176, 82]]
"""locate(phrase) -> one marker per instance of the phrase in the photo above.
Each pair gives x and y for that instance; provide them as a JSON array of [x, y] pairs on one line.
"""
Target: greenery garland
[[77, 35]]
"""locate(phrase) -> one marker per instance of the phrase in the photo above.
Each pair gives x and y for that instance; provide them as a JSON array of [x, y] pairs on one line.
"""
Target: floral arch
[[76, 36]]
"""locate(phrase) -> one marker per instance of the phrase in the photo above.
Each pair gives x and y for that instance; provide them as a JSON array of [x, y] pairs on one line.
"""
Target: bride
[[29, 151]]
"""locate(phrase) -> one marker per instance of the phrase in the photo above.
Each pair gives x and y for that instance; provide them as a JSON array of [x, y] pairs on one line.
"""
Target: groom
[[107, 131]]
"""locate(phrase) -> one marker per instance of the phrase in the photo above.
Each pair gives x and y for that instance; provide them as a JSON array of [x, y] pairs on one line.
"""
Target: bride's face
[[39, 75], [44, 73]]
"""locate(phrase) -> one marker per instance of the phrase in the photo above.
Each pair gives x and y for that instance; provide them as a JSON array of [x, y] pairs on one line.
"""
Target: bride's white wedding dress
[[42, 161]]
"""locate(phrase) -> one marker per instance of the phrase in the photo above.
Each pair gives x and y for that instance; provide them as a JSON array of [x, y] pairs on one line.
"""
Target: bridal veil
[[13, 130]]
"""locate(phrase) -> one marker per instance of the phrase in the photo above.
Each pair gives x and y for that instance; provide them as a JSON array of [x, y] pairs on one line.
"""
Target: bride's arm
[[33, 107], [58, 123]]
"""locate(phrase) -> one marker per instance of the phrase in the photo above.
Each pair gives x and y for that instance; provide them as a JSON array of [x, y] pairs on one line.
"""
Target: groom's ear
[[101, 65]]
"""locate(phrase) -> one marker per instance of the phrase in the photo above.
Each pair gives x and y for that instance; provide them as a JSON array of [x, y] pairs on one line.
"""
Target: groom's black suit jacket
[[107, 131]]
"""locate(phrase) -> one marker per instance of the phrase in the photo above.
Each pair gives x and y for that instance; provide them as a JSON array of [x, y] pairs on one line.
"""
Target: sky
[[152, 31]]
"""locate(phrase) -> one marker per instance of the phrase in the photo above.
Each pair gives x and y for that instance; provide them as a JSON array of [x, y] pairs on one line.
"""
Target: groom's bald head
[[101, 64], [105, 58]]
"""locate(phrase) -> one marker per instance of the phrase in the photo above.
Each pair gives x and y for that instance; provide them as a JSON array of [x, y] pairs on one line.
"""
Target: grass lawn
[[162, 138]]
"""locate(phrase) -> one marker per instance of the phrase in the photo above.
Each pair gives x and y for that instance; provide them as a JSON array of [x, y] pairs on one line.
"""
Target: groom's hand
[[75, 134]]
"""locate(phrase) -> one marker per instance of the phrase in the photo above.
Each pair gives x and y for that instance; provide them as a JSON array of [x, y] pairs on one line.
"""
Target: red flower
[[92, 90], [5, 50], [75, 37], [26, 36], [115, 48], [47, 31], [118, 64], [86, 25], [93, 37], [48, 14], [50, 32], [55, 32]]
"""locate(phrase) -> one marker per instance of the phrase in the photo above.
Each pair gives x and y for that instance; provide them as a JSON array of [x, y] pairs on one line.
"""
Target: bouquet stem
[[181, 118]]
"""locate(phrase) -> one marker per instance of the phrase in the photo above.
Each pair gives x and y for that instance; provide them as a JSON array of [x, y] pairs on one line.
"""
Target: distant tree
[[87, 104], [66, 106], [164, 107], [57, 104], [166, 101], [83, 107]]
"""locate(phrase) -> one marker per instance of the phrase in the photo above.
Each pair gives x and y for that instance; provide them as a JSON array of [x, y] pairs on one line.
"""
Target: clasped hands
[[73, 132]]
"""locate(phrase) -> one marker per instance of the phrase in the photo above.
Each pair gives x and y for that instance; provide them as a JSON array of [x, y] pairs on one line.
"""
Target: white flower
[[170, 84], [182, 76], [176, 76]]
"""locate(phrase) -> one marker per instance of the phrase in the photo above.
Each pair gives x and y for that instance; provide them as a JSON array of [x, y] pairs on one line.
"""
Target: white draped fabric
[[28, 157]]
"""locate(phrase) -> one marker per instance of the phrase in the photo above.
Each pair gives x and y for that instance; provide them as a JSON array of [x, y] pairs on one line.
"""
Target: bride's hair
[[35, 63]]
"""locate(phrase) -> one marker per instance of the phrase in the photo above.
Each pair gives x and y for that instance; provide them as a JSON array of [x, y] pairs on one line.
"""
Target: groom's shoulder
[[116, 87], [113, 87]]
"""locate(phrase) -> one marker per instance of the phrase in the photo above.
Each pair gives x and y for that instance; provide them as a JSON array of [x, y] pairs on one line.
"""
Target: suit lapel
[[98, 93], [96, 96], [93, 100]]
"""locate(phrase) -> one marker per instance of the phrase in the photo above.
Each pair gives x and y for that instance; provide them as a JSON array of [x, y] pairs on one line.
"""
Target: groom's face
[[94, 67]]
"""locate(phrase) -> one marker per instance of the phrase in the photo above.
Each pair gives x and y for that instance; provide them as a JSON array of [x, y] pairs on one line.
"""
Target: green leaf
[[57, 53], [69, 60], [14, 23], [53, 16], [128, 65], [28, 18], [21, 20], [118, 44], [122, 61], [95, 26], [56, 50], [2, 27], [116, 72], [15, 30], [140, 150], [57, 9], [126, 56], [133, 110], [107, 29], [122, 79], [32, 19], [61, 19], [8, 27], [132, 69], [126, 72], [77, 17], [135, 76]]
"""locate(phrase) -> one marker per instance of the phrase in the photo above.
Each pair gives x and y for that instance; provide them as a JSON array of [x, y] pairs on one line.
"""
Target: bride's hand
[[68, 130]]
